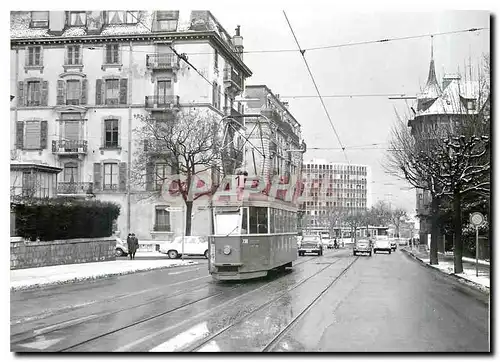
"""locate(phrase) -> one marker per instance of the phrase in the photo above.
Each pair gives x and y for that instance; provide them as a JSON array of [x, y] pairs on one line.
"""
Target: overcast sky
[[391, 67]]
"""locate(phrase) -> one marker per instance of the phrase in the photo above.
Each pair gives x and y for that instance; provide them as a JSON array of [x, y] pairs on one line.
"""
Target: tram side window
[[272, 228], [258, 220], [244, 221]]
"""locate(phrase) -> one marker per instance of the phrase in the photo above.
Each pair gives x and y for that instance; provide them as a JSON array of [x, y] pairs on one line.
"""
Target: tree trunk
[[434, 231], [458, 242], [189, 211]]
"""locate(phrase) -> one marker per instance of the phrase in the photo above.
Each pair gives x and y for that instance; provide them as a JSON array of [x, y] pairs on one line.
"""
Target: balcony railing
[[65, 188], [162, 61], [231, 77], [69, 147], [162, 101]]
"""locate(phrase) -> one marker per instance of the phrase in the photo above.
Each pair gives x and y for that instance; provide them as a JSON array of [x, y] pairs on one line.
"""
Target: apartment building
[[276, 136], [333, 188], [79, 79]]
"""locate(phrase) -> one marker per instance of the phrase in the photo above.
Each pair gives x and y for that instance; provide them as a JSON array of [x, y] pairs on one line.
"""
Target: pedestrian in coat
[[131, 245], [136, 245]]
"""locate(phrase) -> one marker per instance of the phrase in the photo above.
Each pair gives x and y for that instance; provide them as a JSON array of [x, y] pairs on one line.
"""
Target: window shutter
[[146, 145], [61, 92], [27, 56], [20, 134], [41, 56], [98, 92], [20, 94], [123, 90], [150, 168], [45, 93], [84, 97], [122, 177], [43, 134], [97, 176]]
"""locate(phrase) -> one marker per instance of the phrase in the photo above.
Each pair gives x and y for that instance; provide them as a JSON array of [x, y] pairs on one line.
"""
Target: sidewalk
[[446, 265], [21, 279]]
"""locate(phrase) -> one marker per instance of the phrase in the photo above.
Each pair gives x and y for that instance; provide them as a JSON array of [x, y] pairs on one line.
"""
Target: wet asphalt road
[[336, 302]]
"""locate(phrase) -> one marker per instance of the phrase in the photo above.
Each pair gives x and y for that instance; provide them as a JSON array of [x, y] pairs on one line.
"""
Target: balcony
[[232, 79], [165, 102], [69, 147], [74, 188], [162, 62]]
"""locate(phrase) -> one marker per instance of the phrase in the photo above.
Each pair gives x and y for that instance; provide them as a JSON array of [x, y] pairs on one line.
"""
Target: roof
[[450, 101], [20, 30], [24, 165]]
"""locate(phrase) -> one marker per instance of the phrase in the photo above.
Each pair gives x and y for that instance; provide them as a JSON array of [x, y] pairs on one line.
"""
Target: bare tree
[[397, 217], [174, 155]]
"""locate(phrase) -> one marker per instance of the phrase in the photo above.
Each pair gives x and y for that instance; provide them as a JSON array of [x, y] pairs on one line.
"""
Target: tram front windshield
[[227, 223]]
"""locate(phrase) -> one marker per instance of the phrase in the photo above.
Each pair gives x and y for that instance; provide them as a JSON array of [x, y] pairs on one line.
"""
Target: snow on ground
[[469, 274], [60, 274]]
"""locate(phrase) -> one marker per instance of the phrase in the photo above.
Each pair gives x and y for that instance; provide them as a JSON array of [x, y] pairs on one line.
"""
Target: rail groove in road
[[23, 337], [259, 308]]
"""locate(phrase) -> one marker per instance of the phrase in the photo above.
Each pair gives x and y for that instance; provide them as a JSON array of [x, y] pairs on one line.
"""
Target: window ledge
[[79, 67], [117, 148], [106, 66], [33, 67]]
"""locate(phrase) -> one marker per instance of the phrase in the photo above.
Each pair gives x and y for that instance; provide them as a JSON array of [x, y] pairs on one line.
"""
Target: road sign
[[173, 209], [476, 218]]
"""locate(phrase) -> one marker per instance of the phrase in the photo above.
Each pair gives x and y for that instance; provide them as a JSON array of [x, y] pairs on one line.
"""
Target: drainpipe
[[129, 136]]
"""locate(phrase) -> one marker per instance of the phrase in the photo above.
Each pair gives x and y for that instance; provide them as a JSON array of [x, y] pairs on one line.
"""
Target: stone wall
[[28, 254]]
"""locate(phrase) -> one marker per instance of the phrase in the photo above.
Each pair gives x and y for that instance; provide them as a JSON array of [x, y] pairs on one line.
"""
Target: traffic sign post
[[477, 219]]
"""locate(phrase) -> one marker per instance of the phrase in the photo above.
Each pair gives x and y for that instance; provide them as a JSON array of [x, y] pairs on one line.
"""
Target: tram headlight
[[227, 250]]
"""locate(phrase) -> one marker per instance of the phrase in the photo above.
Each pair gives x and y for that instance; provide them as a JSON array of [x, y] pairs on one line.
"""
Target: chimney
[[448, 78], [238, 42]]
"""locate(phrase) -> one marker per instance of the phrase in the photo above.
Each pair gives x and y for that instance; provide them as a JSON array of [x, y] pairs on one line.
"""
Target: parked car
[[362, 246], [382, 245], [193, 245], [394, 245], [311, 244], [121, 248]]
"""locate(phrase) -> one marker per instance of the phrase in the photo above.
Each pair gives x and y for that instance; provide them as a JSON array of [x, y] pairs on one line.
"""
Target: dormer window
[[39, 19], [166, 20], [122, 17], [471, 104], [77, 18]]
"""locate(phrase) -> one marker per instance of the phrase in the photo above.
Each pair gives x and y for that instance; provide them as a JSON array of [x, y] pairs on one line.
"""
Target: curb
[[93, 278], [477, 286]]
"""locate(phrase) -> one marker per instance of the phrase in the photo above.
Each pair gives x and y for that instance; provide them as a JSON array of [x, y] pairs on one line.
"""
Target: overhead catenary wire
[[302, 52], [333, 46]]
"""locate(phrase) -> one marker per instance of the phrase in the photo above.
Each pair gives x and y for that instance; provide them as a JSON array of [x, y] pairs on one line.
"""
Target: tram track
[[22, 337], [294, 321], [207, 340]]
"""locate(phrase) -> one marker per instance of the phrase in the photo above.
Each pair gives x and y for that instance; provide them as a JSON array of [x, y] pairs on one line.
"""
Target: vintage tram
[[251, 238]]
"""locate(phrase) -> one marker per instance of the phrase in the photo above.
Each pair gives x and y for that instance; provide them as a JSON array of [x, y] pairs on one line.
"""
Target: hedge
[[65, 218]]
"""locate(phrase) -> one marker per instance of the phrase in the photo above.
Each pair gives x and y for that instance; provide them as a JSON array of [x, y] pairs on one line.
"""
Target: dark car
[[394, 245], [311, 244], [362, 246]]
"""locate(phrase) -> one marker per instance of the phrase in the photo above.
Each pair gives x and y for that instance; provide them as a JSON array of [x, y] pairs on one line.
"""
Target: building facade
[[80, 77], [277, 146], [333, 190]]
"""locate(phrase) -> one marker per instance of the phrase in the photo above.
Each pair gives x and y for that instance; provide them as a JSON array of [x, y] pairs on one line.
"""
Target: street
[[336, 302]]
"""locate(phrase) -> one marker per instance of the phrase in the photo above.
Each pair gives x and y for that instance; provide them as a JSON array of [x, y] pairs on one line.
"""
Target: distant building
[[333, 187]]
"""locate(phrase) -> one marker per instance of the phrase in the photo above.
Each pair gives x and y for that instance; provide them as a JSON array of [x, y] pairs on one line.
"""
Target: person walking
[[130, 245], [136, 245]]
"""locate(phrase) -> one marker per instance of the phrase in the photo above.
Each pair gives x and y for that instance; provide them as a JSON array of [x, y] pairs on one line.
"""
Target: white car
[[193, 245], [121, 248]]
